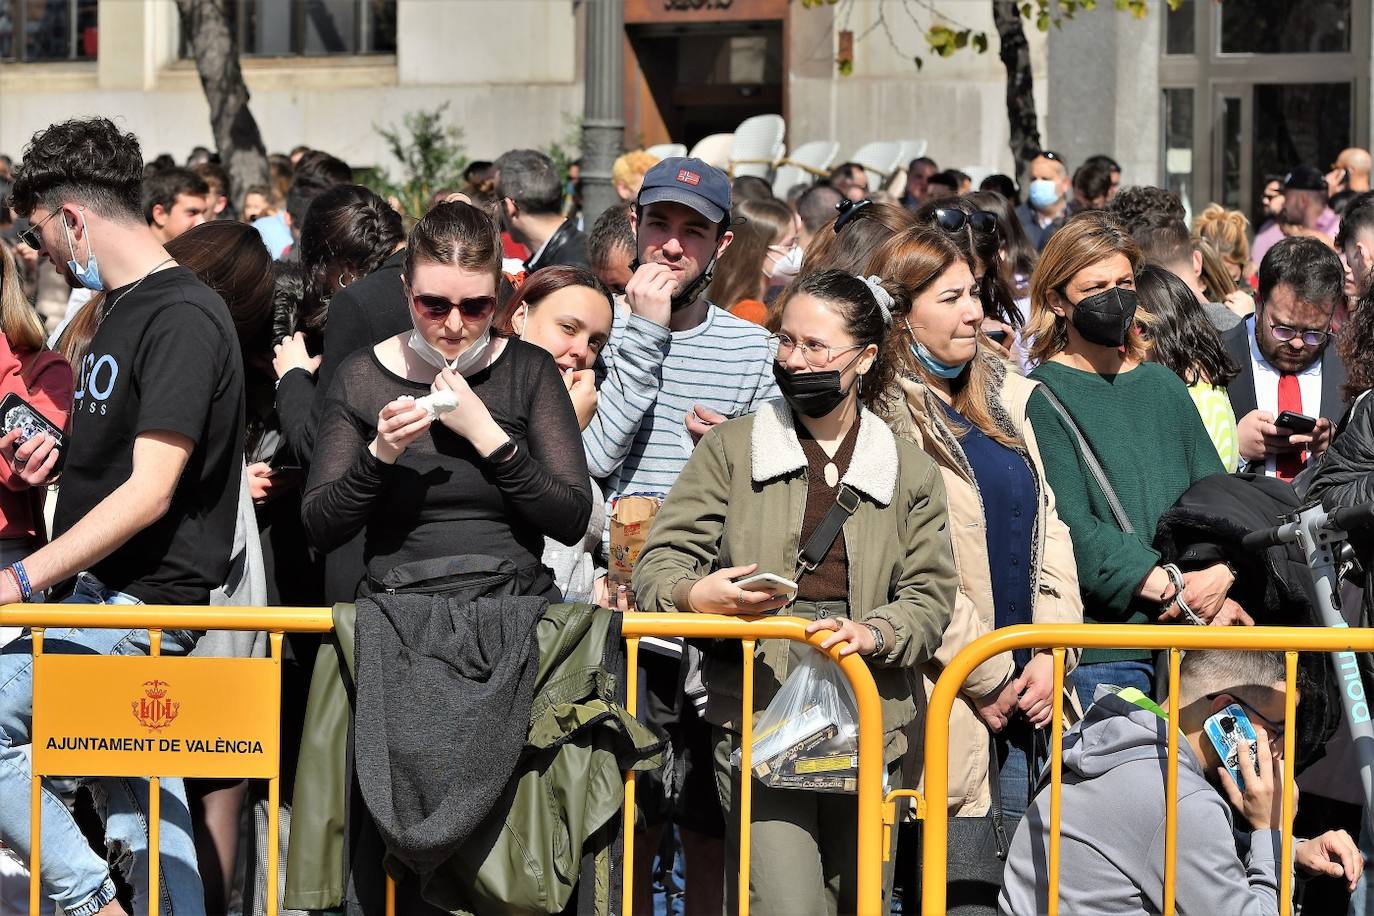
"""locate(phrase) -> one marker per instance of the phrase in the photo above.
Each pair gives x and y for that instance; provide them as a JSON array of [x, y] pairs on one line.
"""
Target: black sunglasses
[[848, 210], [437, 307], [30, 235], [951, 219]]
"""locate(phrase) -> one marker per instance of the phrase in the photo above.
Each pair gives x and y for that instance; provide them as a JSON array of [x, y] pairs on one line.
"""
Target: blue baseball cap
[[690, 182]]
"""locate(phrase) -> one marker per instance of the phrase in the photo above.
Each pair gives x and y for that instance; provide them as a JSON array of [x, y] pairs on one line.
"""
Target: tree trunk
[[237, 137], [1015, 54]]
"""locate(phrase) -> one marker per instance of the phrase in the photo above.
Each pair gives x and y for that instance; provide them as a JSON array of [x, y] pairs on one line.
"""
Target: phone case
[[1226, 729], [1302, 427], [16, 413]]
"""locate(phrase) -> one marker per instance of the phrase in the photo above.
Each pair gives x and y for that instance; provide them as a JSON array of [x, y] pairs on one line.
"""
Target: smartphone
[[17, 413], [767, 582], [1226, 729], [1298, 423], [997, 336]]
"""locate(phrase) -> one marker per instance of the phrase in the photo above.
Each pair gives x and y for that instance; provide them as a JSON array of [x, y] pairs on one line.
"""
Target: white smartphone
[[770, 583]]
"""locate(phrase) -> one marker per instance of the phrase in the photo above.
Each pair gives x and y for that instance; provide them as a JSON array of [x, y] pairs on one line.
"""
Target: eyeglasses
[[848, 210], [952, 219], [437, 307], [1275, 729], [1284, 334], [30, 235], [817, 355]]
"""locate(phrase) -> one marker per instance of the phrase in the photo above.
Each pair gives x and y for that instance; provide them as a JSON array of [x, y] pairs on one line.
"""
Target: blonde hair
[[631, 167], [909, 263], [1083, 241], [1216, 280], [1227, 231], [20, 323]]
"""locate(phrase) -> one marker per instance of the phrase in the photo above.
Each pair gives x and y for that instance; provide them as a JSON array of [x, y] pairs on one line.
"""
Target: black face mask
[[1106, 318], [811, 394]]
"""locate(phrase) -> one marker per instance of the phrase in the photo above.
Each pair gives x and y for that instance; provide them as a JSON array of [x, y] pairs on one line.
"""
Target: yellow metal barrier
[[143, 743], [276, 621], [1290, 640]]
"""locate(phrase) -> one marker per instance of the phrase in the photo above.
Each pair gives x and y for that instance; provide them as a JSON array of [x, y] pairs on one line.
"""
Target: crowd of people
[[936, 414]]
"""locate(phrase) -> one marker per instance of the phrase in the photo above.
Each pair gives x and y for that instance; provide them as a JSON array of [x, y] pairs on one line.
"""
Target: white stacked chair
[[758, 144], [667, 150], [879, 160], [714, 150], [805, 165]]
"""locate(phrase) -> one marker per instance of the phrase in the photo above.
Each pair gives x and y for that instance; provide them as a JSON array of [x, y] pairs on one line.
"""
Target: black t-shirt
[[166, 358]]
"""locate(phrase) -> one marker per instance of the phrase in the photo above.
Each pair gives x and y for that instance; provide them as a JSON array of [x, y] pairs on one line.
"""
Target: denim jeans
[[1125, 673], [74, 877]]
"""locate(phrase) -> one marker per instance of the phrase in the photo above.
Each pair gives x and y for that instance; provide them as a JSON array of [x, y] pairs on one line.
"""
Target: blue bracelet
[[25, 590]]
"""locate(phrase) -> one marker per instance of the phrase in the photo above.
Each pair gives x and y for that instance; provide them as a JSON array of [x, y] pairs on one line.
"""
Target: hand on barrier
[[996, 708], [718, 594], [1035, 689], [34, 460], [1262, 799], [1333, 853], [858, 635]]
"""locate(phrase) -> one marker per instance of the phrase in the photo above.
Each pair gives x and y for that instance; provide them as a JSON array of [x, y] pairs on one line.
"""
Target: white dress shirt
[[1267, 386]]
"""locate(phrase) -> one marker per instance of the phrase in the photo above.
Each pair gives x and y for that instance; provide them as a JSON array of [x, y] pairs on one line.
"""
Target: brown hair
[[739, 272], [1353, 346], [1227, 231], [849, 249], [18, 321], [544, 283], [909, 263], [1216, 280], [456, 233], [1086, 239]]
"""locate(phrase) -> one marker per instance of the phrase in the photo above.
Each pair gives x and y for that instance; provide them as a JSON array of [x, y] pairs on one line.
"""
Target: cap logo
[[687, 177]]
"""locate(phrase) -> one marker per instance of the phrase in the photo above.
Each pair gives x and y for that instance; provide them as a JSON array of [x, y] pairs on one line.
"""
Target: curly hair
[[1142, 208], [1353, 346], [86, 160], [1227, 231]]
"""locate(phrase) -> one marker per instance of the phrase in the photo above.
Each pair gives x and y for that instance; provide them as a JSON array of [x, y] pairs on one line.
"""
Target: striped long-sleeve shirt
[[638, 442]]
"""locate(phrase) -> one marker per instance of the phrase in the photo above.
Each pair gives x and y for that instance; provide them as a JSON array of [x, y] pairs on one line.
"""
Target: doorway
[[687, 81]]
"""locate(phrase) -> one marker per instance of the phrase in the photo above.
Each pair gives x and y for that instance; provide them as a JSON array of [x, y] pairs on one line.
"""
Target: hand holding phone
[[1226, 730], [769, 583], [22, 419], [1300, 424]]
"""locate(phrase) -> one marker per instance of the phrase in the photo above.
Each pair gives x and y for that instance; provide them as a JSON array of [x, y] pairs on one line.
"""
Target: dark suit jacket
[[566, 246], [1242, 387]]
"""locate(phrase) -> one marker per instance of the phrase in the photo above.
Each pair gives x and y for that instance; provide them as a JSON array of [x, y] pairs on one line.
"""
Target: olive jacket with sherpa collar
[[741, 499], [915, 414]]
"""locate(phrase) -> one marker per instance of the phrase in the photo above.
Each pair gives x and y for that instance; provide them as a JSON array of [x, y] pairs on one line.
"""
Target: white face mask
[[786, 267], [463, 364]]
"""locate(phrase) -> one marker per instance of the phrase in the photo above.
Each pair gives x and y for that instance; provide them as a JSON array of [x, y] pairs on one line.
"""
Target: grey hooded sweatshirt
[[1112, 828]]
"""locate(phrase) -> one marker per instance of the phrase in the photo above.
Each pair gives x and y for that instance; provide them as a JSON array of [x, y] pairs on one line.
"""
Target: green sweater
[[1148, 437]]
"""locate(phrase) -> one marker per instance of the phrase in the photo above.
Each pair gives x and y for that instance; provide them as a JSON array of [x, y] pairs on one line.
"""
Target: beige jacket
[[741, 499], [917, 416]]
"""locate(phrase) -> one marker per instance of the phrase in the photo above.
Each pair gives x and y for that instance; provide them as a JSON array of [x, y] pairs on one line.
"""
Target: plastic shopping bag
[[808, 737]]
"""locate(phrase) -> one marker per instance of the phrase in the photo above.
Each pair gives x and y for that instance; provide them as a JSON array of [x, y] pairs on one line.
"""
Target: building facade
[[1208, 99]]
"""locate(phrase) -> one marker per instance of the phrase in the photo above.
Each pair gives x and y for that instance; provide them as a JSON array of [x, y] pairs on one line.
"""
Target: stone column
[[604, 126]]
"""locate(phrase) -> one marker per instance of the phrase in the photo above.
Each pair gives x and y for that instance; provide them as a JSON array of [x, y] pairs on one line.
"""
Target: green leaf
[[846, 67], [961, 39], [1042, 22], [980, 42], [919, 63]]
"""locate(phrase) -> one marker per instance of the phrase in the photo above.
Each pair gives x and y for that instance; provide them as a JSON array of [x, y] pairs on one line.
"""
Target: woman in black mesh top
[[495, 474]]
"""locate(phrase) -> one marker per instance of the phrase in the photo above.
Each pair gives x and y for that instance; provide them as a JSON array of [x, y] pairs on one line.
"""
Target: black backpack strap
[[823, 538]]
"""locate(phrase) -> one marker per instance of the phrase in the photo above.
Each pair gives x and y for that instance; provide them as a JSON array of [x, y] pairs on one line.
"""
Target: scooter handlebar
[[1267, 537], [1351, 518]]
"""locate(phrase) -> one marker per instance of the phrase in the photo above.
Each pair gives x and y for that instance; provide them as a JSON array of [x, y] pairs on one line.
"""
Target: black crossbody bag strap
[[823, 538], [1091, 461]]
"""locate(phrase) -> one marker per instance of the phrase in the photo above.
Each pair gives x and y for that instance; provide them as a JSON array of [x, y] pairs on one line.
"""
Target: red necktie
[[1287, 465]]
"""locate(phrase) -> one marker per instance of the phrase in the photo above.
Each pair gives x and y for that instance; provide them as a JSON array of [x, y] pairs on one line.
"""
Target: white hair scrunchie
[[884, 298]]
